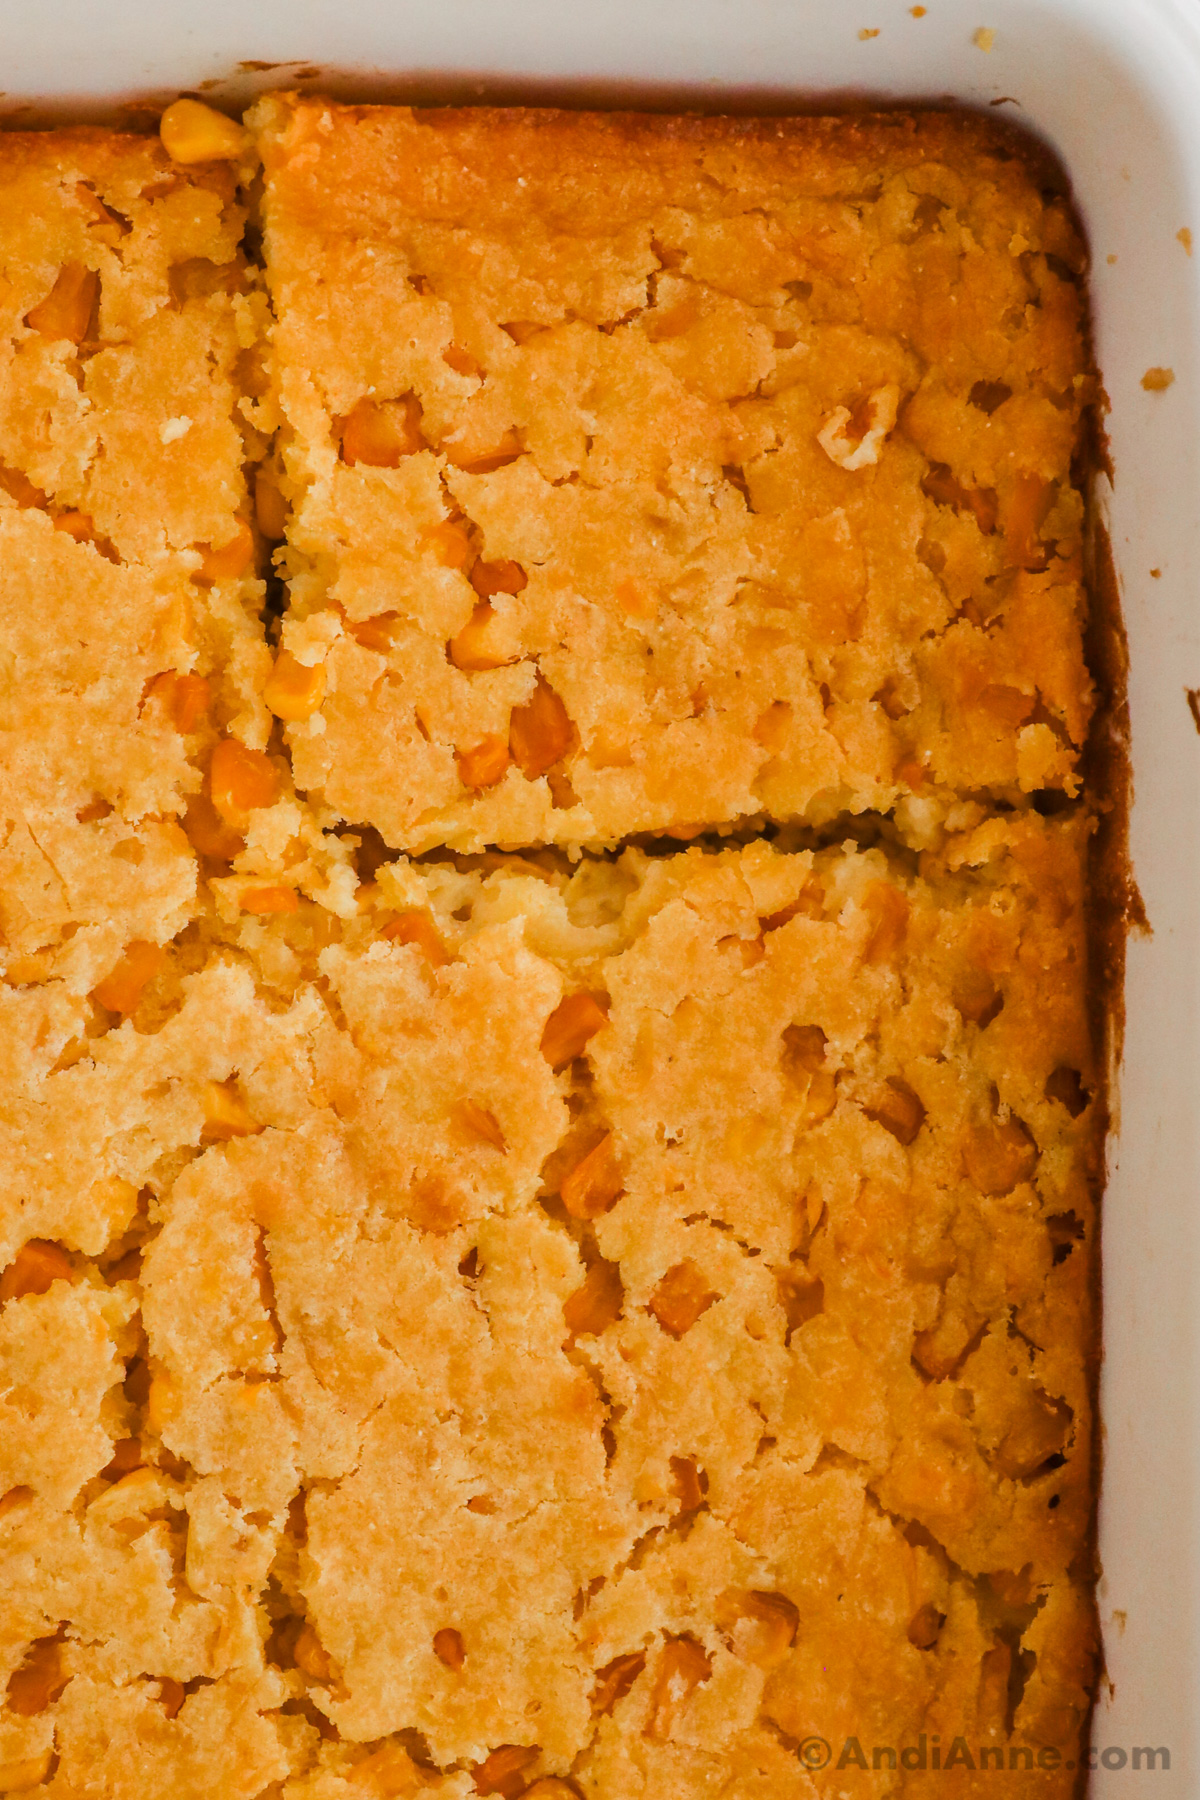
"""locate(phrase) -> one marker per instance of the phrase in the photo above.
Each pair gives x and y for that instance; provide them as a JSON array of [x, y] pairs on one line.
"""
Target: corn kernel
[[208, 833], [375, 633], [30, 1772], [171, 1695], [77, 525], [596, 1305], [460, 360], [803, 1049], [126, 1456], [503, 577], [683, 1668], [264, 900], [135, 1491], [477, 645], [227, 561], [448, 1648], [194, 133], [887, 910], [121, 989], [450, 544], [415, 928], [34, 1270], [294, 690], [39, 1680], [999, 1157], [681, 1297], [225, 1114], [539, 732], [502, 1771], [270, 507], [186, 698], [570, 1027], [1028, 505], [481, 1123], [614, 1681], [241, 780], [925, 1626], [762, 1625], [381, 433], [484, 764], [940, 485], [66, 312], [311, 1656], [483, 461], [898, 1110], [686, 1484], [594, 1184]]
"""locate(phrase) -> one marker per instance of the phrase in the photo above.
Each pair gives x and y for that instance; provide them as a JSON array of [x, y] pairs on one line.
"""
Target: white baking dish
[[1115, 86]]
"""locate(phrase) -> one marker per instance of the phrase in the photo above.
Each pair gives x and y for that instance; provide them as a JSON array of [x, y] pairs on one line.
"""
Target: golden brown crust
[[846, 1267], [500, 1323], [750, 441]]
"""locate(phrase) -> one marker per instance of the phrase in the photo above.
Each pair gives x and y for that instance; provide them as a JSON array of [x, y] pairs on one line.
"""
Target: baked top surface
[[125, 324], [815, 1336], [528, 1323], [730, 467]]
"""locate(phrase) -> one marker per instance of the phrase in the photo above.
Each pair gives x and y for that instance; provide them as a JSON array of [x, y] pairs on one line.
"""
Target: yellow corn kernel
[[998, 1157], [593, 1185], [122, 987], [684, 1666], [381, 432], [270, 507], [263, 900], [483, 765], [762, 1625], [186, 698], [294, 690], [228, 561], [502, 577], [225, 1114], [448, 1648], [34, 1270], [194, 133], [19, 1777], [66, 311], [502, 1771], [596, 1305], [450, 544], [311, 1656], [478, 645], [570, 1027], [161, 1404], [140, 1489], [681, 1297], [39, 1680], [116, 1202], [539, 732], [481, 1124], [242, 780], [614, 1681], [415, 928], [898, 1110], [171, 1695], [77, 525]]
